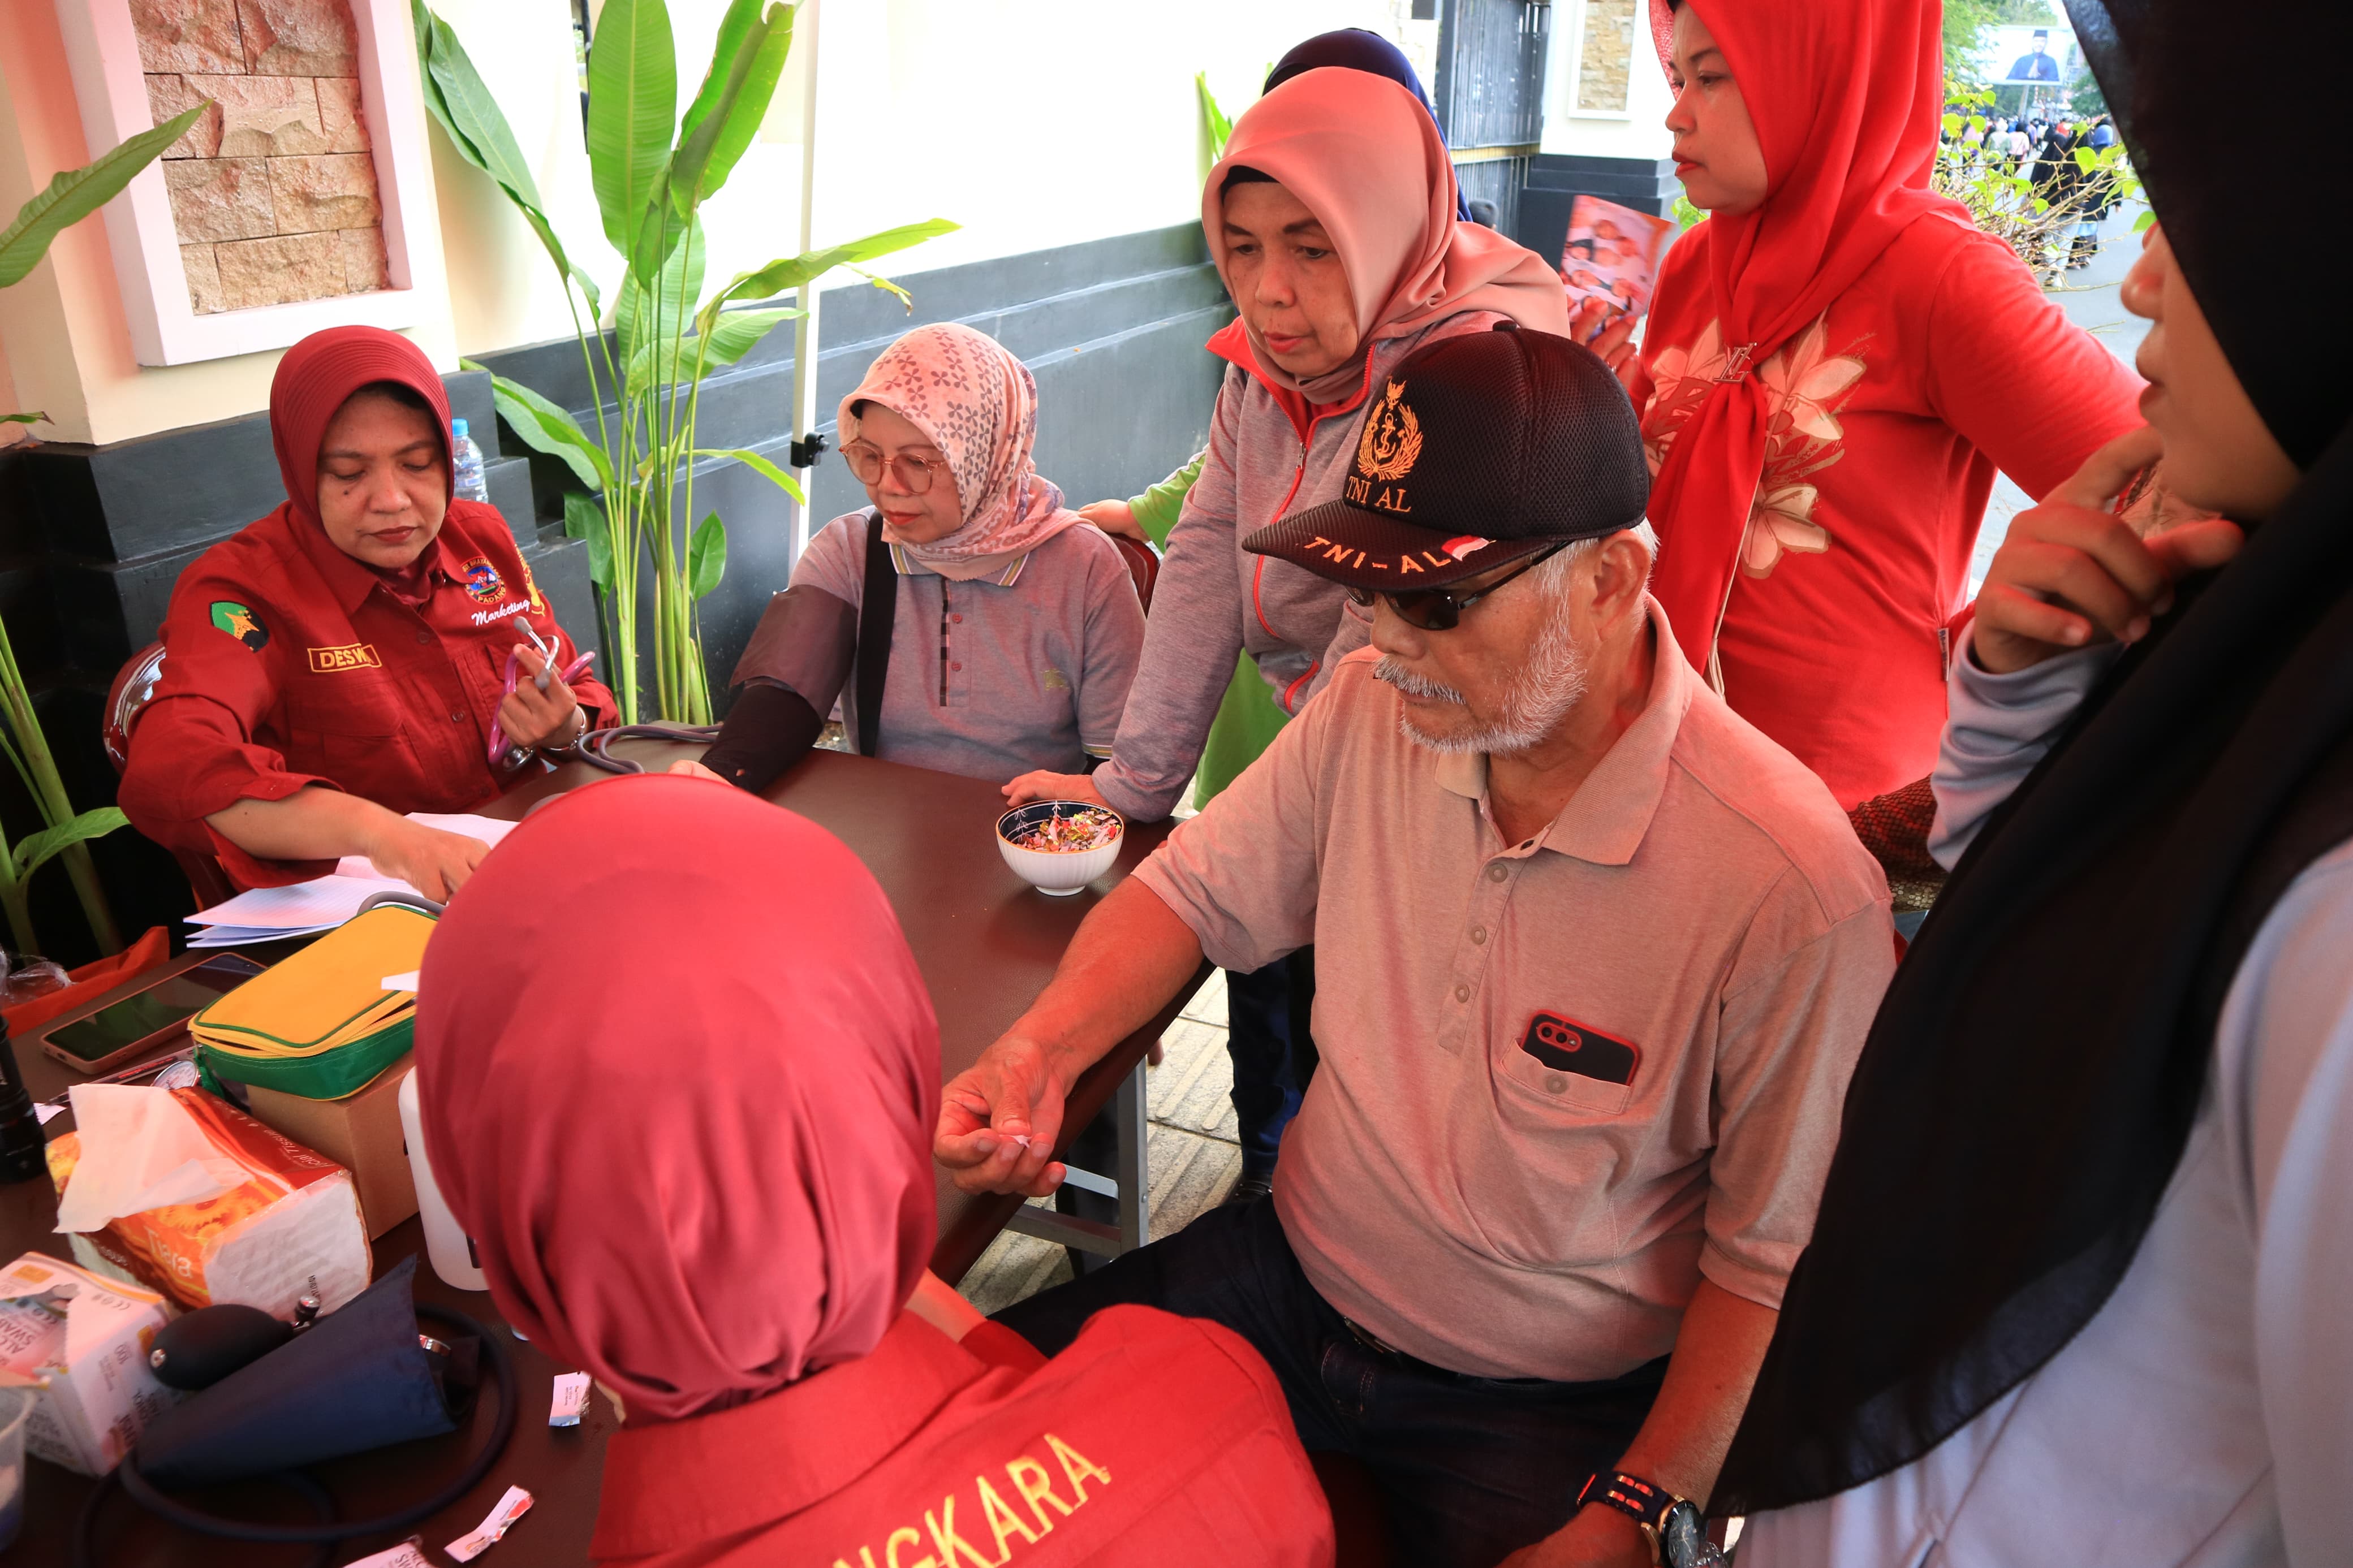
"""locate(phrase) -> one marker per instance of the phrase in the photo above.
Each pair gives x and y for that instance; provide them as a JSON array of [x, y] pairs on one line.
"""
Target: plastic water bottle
[[447, 1246], [471, 485]]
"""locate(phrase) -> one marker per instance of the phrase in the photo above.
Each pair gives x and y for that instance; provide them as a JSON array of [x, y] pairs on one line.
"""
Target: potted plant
[[652, 171]]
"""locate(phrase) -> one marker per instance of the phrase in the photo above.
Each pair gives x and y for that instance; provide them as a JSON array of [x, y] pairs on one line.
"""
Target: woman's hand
[[1115, 517], [1043, 785], [435, 863], [688, 768], [1610, 334], [2071, 573], [532, 718]]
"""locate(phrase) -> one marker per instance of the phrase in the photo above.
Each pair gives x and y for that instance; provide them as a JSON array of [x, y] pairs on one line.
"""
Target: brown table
[[987, 944]]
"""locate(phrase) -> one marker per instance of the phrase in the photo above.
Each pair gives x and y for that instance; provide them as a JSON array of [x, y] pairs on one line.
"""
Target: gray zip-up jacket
[[1269, 456]]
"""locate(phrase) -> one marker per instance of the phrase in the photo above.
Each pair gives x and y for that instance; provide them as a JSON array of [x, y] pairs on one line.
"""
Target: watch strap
[[1645, 1502]]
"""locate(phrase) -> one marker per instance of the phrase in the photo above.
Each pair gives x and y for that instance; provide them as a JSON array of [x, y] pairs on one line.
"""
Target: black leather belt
[[1387, 1352]]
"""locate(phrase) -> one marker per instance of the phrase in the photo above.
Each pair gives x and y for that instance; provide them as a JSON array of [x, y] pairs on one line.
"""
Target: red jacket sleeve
[[192, 751], [2008, 371]]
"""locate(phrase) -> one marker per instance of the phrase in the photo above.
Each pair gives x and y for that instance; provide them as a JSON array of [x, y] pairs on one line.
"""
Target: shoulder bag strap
[[878, 607]]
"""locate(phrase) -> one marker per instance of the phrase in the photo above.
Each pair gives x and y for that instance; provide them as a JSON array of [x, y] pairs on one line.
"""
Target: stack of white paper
[[322, 903]]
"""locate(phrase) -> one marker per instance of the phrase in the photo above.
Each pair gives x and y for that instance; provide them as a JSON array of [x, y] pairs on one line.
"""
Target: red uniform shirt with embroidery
[[1887, 419], [1153, 1440], [288, 663]]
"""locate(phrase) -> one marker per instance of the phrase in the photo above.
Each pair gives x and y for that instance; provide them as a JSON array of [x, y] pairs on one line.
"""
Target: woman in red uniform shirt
[[337, 663], [704, 1175], [1837, 363]]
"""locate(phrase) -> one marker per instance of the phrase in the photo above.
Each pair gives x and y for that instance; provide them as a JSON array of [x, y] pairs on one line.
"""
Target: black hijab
[[2032, 1077]]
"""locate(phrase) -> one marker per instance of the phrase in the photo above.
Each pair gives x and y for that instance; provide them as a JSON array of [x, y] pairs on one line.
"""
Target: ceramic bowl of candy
[[1059, 845]]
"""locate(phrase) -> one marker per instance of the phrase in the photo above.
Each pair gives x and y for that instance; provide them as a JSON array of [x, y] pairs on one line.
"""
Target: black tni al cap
[[1475, 451]]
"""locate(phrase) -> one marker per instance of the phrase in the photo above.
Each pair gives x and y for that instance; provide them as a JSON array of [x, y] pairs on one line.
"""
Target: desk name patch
[[1000, 1511], [352, 655]]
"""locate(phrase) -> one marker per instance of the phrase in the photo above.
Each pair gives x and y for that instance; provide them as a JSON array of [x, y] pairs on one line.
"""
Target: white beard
[[1547, 687]]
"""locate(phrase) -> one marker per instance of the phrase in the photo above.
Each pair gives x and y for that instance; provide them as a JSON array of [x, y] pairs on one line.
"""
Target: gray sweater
[[989, 677], [1214, 599]]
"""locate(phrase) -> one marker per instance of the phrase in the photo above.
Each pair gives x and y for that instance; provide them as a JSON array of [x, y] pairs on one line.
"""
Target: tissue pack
[[82, 1341], [280, 1220]]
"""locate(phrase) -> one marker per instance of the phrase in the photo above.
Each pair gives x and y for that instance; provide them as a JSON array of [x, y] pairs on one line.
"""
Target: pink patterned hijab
[[978, 404]]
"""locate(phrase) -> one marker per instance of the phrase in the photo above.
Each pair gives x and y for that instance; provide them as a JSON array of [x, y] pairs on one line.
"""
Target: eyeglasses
[[867, 462], [1440, 609]]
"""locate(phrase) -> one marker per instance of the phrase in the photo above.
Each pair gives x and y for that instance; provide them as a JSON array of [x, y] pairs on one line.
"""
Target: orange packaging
[[292, 1227]]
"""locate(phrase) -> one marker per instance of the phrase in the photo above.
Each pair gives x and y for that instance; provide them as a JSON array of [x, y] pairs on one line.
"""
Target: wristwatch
[[1672, 1525]]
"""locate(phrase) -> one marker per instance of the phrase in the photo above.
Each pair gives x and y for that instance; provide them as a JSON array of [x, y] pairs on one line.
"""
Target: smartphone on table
[[119, 1032]]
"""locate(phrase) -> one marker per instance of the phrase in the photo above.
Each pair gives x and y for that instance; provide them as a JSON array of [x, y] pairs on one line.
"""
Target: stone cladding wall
[[273, 189], [1605, 55]]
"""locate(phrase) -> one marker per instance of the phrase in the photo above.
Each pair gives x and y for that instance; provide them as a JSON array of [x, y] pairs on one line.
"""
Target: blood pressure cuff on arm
[[768, 728]]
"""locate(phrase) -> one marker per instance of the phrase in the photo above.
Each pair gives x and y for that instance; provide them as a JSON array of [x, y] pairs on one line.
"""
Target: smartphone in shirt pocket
[[1573, 1064]]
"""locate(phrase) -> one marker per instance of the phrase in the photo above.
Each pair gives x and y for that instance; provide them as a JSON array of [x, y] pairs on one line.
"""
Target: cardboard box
[[83, 1343], [197, 1199], [360, 1133]]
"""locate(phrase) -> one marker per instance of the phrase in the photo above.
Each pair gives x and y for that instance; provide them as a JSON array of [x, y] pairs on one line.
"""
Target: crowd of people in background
[[1621, 1158]]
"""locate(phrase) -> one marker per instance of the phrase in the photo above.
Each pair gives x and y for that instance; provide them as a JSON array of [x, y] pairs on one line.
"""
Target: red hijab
[[678, 1076], [1847, 97], [317, 377]]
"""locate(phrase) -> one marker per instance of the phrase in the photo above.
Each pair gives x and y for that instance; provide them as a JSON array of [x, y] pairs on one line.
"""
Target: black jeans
[[1470, 1468], [1258, 1040]]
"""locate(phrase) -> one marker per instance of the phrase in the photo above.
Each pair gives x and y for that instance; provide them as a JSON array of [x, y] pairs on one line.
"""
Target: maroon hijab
[[678, 1076], [317, 377]]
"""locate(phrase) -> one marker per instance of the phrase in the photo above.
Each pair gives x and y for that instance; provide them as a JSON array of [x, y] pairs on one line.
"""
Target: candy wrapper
[[182, 1192]]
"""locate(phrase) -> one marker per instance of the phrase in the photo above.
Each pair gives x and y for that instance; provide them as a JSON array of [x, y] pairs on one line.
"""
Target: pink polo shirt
[[1561, 1079]]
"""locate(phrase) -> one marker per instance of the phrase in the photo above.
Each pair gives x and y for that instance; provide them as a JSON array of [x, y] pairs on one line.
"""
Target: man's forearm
[[1722, 1342], [312, 824], [1130, 956]]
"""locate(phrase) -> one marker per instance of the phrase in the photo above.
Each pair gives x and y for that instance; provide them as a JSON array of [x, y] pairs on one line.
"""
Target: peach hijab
[[1363, 156]]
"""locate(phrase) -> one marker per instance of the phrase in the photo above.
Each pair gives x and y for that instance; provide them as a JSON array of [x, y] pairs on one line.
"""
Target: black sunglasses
[[1440, 609]]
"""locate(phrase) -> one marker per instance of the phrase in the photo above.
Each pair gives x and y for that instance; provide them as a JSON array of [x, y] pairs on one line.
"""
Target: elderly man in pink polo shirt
[[1594, 960]]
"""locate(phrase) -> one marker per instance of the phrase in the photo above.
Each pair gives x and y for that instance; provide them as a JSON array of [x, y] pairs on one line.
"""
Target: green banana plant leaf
[[547, 428], [754, 39], [632, 111], [584, 519], [462, 102], [1220, 128], [706, 556], [76, 193], [680, 280], [792, 271], [36, 849], [737, 334], [757, 464], [659, 228]]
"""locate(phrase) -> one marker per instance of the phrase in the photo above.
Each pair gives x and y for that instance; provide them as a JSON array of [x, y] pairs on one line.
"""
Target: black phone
[[118, 1032]]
